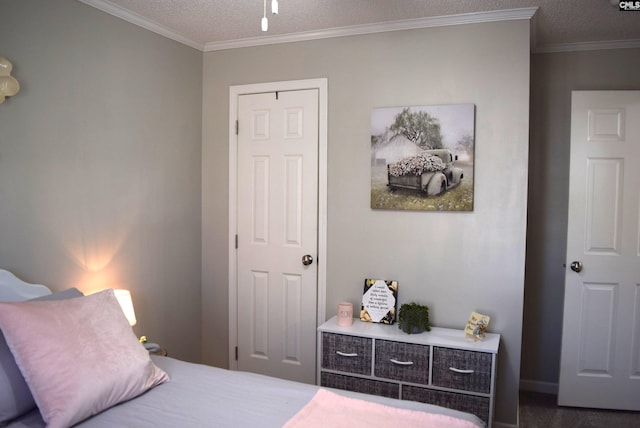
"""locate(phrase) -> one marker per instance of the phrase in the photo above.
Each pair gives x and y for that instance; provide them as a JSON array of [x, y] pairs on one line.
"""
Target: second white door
[[277, 233], [600, 362]]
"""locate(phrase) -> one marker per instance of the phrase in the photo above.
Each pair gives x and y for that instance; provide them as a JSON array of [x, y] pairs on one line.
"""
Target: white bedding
[[195, 396], [205, 396]]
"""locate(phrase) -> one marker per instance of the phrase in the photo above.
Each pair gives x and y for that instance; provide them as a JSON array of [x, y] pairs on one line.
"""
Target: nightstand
[[153, 348], [161, 351]]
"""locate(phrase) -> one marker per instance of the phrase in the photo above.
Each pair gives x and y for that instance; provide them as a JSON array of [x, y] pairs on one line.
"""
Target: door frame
[[321, 84]]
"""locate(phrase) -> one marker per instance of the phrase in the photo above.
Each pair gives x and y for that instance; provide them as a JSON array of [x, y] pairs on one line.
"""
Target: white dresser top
[[445, 337]]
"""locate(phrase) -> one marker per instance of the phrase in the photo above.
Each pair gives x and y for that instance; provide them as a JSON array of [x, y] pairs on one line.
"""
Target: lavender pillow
[[15, 397], [78, 356]]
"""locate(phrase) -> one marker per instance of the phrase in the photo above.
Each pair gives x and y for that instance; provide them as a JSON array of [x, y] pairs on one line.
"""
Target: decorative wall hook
[[9, 86]]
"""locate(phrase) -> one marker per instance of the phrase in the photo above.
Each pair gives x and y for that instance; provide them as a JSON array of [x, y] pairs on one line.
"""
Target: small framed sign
[[379, 301], [477, 325]]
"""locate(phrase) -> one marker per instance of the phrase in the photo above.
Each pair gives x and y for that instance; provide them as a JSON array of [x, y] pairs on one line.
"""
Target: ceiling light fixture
[[265, 21], [274, 10]]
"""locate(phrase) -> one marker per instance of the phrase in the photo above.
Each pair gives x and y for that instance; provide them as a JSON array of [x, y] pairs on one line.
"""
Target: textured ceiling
[[202, 22]]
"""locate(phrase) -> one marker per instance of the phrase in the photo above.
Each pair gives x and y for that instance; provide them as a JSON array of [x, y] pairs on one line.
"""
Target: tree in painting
[[465, 144], [419, 127]]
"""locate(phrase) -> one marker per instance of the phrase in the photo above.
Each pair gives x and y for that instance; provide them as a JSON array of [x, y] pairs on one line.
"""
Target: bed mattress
[[199, 395]]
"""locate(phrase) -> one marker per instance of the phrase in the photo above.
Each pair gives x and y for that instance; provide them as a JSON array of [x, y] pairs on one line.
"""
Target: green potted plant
[[413, 318]]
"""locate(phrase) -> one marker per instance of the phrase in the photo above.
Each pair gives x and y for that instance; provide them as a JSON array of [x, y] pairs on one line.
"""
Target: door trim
[[293, 85]]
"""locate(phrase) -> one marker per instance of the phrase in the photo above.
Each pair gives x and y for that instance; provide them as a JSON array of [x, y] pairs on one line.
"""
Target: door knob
[[307, 260], [576, 266]]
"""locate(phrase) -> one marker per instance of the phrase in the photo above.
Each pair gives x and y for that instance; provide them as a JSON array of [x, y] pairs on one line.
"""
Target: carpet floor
[[539, 410]]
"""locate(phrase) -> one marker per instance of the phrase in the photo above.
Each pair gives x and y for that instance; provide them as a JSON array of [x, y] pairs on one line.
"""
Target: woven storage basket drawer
[[479, 406], [345, 353], [402, 361], [467, 370], [356, 384]]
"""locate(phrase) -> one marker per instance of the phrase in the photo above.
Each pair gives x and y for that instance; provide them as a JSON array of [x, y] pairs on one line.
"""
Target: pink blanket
[[328, 409]]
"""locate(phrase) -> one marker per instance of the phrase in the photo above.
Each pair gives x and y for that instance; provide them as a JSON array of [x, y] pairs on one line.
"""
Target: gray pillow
[[15, 397]]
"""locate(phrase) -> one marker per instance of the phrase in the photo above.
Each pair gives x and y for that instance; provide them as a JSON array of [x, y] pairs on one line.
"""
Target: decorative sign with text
[[477, 325], [379, 301]]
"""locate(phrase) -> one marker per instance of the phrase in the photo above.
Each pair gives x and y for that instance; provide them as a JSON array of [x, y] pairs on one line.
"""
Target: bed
[[70, 381]]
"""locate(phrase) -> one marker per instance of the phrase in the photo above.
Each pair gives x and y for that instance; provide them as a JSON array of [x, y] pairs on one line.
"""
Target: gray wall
[[553, 77], [454, 262], [100, 163], [100, 170]]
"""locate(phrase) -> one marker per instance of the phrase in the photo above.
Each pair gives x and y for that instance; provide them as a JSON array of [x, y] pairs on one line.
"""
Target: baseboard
[[534, 386], [503, 425], [537, 386]]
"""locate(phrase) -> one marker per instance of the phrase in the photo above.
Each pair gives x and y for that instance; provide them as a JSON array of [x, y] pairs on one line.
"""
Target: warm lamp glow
[[124, 298]]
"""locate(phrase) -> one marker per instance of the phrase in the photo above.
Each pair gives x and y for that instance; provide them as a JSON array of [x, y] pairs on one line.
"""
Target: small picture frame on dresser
[[476, 326], [379, 301]]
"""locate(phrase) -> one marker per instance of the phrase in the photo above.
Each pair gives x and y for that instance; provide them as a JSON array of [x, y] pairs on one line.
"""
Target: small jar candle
[[345, 314]]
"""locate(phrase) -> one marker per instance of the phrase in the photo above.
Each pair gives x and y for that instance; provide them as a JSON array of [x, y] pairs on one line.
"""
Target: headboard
[[13, 289]]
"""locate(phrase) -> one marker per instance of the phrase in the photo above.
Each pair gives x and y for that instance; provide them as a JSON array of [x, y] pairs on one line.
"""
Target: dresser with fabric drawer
[[441, 367]]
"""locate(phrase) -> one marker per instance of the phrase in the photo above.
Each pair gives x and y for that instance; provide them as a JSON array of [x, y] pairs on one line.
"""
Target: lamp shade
[[124, 298]]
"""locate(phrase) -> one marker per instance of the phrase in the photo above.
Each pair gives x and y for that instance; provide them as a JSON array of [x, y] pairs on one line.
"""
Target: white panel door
[[600, 361], [277, 226]]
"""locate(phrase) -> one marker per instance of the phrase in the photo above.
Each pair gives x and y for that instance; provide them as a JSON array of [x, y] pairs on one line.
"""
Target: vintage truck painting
[[431, 172]]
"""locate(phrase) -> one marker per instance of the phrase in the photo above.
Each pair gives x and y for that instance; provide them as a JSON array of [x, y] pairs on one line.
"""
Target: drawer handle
[[344, 354], [401, 363], [453, 369]]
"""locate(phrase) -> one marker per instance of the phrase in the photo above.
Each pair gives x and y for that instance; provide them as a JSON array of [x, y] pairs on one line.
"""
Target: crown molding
[[407, 24], [140, 21], [588, 46]]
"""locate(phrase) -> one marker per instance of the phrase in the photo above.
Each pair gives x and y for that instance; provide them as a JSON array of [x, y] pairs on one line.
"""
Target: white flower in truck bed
[[417, 165]]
